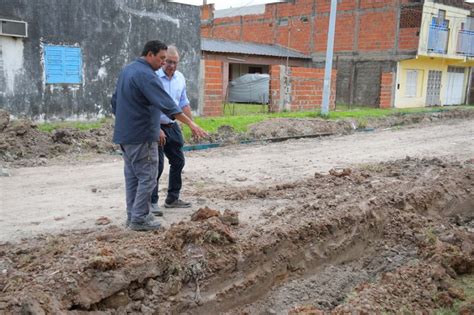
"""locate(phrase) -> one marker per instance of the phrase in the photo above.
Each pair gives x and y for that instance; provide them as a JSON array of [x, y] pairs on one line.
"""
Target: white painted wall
[[11, 58]]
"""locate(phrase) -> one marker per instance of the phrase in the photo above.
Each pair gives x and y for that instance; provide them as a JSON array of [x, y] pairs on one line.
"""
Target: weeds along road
[[74, 195]]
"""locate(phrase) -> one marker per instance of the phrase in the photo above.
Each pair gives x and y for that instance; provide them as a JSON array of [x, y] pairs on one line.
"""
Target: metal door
[[433, 89], [455, 86]]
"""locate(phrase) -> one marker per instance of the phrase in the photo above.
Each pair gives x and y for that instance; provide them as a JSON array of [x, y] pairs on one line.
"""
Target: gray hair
[[173, 50]]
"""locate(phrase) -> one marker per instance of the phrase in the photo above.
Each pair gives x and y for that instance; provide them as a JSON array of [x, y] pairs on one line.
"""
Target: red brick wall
[[206, 31], [207, 12], [386, 89], [274, 101], [377, 26], [377, 31], [372, 4], [213, 88], [226, 32], [408, 38], [256, 30], [307, 88], [345, 26]]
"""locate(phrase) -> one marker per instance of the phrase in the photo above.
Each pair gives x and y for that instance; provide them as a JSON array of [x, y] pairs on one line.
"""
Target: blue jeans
[[173, 149], [140, 170]]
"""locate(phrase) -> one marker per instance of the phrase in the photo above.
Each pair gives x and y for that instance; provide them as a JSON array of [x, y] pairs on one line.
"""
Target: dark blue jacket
[[137, 104]]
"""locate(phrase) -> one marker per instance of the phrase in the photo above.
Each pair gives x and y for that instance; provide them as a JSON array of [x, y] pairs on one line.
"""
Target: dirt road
[[73, 195]]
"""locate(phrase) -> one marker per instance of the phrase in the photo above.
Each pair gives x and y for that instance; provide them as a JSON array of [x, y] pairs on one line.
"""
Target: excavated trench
[[329, 247]]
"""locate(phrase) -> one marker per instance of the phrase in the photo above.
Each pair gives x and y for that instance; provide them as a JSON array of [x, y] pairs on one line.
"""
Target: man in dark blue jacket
[[137, 103]]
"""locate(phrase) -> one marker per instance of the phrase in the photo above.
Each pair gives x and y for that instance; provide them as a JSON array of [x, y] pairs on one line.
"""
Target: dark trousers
[[173, 149], [140, 170]]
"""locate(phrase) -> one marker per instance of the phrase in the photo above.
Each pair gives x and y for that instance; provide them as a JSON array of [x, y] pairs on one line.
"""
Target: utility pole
[[329, 54]]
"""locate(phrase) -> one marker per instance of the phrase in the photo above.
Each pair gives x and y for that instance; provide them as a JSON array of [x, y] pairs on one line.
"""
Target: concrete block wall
[[110, 33]]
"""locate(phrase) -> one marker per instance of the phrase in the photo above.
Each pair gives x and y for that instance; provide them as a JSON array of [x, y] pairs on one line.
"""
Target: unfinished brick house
[[384, 51]]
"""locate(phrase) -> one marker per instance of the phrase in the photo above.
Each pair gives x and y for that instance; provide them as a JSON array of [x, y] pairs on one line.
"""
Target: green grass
[[241, 116], [240, 123], [234, 109], [81, 125], [466, 283]]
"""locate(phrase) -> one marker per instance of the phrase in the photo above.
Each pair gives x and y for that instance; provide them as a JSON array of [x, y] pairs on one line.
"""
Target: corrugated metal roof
[[246, 48]]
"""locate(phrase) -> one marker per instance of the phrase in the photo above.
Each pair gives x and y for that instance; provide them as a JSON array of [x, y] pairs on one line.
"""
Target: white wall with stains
[[11, 62]]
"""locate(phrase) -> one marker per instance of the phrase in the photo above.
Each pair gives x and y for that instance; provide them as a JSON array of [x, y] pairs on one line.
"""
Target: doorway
[[433, 89], [455, 86]]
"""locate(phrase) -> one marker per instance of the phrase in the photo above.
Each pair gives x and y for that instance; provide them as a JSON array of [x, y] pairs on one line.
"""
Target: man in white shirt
[[171, 138]]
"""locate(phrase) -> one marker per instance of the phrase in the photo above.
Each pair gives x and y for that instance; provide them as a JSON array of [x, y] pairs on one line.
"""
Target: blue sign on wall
[[63, 64]]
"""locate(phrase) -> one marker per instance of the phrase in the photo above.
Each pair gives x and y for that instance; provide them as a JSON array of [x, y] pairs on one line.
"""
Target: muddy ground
[[385, 237], [23, 144], [377, 221]]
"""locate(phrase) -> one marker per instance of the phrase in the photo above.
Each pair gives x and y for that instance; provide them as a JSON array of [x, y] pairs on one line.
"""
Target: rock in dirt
[[216, 226], [63, 136], [230, 217], [138, 295], [444, 299], [102, 221], [4, 172], [104, 262], [340, 173], [30, 306], [116, 300], [204, 214], [456, 293], [466, 308]]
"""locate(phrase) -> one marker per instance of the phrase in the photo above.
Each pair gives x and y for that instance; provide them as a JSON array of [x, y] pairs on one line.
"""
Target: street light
[[329, 54]]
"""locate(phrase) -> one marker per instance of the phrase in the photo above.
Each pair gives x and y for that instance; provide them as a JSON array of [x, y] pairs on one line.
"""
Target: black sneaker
[[178, 203], [145, 226]]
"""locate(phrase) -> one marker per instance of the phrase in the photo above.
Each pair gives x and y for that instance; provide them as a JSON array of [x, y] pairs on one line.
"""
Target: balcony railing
[[438, 39], [465, 43]]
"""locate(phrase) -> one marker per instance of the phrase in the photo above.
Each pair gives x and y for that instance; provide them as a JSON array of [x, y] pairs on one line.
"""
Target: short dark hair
[[153, 46]]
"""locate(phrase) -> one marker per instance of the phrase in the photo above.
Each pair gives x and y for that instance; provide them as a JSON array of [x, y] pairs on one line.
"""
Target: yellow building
[[441, 72]]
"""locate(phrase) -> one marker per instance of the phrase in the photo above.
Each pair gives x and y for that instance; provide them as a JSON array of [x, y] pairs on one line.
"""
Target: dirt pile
[[292, 127], [22, 144], [406, 119], [226, 135], [323, 240]]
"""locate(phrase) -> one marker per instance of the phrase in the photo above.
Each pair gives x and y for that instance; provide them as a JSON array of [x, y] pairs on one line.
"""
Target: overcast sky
[[224, 4]]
